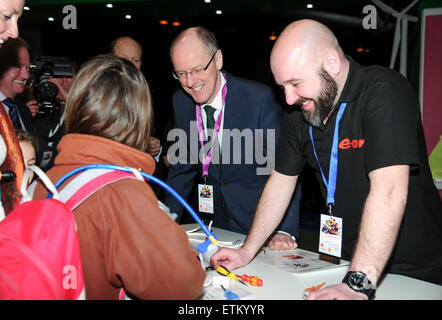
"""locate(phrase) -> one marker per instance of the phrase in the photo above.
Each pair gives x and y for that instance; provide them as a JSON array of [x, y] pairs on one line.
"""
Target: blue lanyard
[[333, 169]]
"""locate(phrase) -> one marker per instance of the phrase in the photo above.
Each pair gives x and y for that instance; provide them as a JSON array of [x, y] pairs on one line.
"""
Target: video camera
[[44, 91]]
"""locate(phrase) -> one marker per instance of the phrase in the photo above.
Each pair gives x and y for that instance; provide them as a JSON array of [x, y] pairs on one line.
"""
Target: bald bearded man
[[360, 129]]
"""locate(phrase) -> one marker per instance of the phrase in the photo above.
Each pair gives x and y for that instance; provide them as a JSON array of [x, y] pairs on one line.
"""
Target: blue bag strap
[[210, 235]]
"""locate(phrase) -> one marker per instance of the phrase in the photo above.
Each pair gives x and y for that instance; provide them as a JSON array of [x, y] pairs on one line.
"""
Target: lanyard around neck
[[216, 129], [333, 168]]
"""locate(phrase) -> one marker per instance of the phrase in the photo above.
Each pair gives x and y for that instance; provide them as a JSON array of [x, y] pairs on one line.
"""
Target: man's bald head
[[306, 41], [309, 64], [127, 48]]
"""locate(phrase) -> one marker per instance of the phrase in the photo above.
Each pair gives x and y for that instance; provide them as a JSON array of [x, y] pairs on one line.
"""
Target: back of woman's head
[[110, 98]]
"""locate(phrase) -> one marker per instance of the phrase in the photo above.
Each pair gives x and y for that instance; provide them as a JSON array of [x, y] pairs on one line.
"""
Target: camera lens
[[48, 91]]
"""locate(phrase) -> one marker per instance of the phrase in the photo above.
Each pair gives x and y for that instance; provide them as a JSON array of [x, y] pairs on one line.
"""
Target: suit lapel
[[233, 118], [231, 113]]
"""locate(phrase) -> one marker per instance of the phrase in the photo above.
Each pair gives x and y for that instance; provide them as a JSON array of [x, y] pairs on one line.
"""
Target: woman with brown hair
[[126, 240]]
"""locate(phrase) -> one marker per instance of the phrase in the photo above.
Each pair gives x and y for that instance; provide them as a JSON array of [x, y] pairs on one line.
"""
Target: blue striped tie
[[12, 111]]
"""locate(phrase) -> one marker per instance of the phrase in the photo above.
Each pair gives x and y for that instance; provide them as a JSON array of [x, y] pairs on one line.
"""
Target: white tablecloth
[[280, 284]]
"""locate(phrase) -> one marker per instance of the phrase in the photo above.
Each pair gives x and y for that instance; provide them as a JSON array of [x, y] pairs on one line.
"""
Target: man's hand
[[62, 93], [339, 291], [230, 258], [154, 146], [280, 241], [33, 106]]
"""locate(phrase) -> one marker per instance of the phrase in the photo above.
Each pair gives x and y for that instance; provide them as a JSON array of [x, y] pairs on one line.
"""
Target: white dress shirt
[[217, 103]]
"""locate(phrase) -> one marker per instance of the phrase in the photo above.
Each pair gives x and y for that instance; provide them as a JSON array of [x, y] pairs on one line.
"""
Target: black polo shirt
[[381, 126]]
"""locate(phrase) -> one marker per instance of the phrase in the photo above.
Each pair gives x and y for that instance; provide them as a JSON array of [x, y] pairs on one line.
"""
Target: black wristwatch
[[359, 282]]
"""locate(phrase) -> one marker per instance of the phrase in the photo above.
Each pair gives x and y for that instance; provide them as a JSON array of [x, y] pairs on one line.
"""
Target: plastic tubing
[[149, 177]]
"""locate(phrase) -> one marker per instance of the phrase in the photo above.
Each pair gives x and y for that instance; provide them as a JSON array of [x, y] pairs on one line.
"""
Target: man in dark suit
[[231, 126], [14, 72]]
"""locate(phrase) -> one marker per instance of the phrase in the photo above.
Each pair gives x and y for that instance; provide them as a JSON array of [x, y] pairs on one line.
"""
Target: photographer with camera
[[51, 79], [14, 73]]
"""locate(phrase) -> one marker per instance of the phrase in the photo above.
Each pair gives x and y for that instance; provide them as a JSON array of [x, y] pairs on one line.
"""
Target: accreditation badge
[[205, 198], [330, 235], [47, 155]]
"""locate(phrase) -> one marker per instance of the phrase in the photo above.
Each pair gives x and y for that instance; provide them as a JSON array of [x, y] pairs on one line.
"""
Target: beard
[[324, 103]]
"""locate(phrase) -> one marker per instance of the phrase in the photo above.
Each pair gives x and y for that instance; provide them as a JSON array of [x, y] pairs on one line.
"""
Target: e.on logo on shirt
[[354, 144]]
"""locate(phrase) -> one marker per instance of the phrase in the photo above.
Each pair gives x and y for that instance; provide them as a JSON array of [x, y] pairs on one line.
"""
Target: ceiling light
[[309, 6], [51, 19], [26, 8], [128, 16], [164, 22], [110, 5], [272, 37], [207, 1], [218, 12], [176, 23]]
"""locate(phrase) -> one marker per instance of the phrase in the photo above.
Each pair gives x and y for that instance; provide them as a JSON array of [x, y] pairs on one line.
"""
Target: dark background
[[242, 31]]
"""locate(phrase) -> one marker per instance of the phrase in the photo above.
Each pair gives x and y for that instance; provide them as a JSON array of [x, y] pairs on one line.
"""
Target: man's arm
[[271, 207], [283, 238], [181, 178], [381, 219], [182, 172]]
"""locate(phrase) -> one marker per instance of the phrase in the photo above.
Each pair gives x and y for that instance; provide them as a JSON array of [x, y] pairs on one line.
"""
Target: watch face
[[359, 282], [356, 280]]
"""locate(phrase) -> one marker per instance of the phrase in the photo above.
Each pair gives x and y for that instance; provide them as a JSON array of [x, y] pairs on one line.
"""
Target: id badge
[[205, 198], [330, 235], [47, 155]]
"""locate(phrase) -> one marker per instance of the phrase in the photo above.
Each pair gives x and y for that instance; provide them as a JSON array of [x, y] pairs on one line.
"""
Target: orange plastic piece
[[307, 291]]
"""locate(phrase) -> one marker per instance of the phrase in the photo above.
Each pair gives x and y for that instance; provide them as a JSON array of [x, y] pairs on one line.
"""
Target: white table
[[283, 285]]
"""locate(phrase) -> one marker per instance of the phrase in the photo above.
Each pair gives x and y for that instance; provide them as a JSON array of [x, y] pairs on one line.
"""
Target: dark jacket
[[25, 115], [249, 106]]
